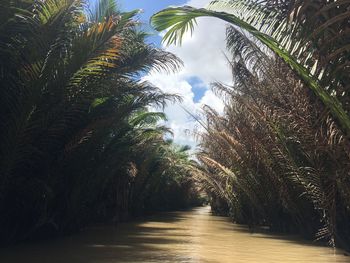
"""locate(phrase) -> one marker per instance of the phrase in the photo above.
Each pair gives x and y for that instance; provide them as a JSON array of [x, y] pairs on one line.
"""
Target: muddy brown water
[[190, 236]]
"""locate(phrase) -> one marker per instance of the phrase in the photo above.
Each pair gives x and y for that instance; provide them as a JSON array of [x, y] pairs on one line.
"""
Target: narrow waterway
[[192, 236]]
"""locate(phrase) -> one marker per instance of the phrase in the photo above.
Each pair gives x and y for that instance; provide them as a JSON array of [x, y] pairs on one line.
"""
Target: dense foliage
[[279, 155], [77, 143]]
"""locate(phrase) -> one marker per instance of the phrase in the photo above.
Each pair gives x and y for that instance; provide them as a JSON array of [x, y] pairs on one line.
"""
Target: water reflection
[[193, 236]]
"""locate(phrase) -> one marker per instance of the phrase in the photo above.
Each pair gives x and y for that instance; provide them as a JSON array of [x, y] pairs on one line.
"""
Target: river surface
[[191, 236]]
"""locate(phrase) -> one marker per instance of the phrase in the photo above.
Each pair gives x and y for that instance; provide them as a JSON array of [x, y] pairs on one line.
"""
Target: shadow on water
[[125, 242], [189, 236], [265, 233]]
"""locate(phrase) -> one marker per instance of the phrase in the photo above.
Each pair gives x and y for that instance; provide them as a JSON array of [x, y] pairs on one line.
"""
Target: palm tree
[[164, 181], [271, 157], [313, 42], [69, 90]]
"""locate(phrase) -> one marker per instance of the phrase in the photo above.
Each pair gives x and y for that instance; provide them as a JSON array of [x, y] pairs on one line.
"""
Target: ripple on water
[[191, 236]]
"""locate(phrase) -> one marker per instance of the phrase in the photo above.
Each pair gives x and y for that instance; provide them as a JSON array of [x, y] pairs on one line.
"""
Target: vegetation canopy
[[78, 143], [279, 155], [83, 140]]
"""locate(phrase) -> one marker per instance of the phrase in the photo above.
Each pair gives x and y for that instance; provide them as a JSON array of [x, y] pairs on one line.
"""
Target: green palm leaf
[[178, 20]]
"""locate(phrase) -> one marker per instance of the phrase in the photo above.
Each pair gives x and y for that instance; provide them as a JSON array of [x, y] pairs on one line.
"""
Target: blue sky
[[204, 59], [149, 7]]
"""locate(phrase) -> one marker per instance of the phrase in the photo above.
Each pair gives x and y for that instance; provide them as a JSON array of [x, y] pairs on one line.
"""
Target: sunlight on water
[[193, 236]]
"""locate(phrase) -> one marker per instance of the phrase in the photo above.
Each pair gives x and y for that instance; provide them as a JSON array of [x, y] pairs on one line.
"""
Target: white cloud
[[203, 56], [213, 101], [198, 3], [204, 52]]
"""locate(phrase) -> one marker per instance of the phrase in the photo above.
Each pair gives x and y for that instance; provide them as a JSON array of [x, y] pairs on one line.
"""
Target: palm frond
[[177, 20]]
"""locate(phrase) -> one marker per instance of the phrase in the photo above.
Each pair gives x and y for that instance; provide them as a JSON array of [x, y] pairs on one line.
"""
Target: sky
[[204, 59]]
